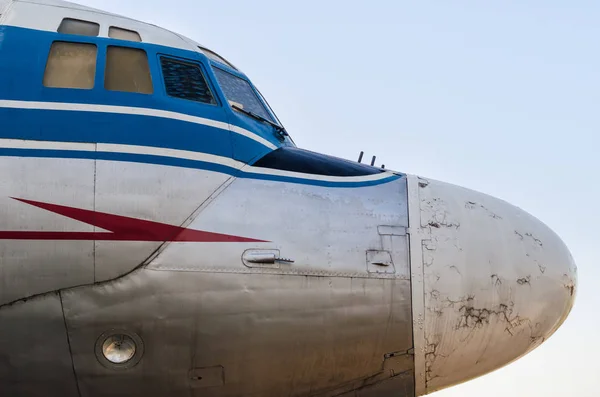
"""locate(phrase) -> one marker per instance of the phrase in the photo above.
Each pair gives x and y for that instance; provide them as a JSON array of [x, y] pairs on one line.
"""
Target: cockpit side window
[[71, 65], [185, 80], [127, 70], [240, 94]]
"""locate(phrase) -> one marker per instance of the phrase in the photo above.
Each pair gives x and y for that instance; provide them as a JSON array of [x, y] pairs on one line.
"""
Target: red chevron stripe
[[121, 228]]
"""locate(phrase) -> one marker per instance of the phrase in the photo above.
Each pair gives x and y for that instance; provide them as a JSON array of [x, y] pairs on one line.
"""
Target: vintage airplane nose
[[490, 283]]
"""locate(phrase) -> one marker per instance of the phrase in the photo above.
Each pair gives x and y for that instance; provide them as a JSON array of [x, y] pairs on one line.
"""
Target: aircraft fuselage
[[161, 234]]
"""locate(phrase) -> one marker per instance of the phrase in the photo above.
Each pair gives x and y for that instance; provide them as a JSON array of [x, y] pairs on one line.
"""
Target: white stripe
[[114, 148], [176, 153], [291, 174], [182, 154], [47, 145], [86, 107], [246, 133]]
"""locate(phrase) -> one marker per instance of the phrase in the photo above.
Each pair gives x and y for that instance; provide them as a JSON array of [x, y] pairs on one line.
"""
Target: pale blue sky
[[503, 98]]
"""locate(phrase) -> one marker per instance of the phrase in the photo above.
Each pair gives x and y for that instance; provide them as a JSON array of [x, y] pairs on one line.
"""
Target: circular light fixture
[[119, 349]]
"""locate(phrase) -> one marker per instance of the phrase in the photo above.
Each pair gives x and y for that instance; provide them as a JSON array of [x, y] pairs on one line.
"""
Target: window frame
[[269, 109], [204, 50], [207, 77]]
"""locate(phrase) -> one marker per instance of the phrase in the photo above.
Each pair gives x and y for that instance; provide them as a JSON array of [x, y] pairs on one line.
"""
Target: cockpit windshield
[[240, 94], [244, 98]]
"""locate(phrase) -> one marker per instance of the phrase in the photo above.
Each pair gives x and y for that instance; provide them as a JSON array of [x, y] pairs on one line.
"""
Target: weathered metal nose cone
[[495, 282]]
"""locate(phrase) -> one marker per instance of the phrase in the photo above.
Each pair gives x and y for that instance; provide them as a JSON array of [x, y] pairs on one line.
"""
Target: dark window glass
[[186, 81], [240, 93]]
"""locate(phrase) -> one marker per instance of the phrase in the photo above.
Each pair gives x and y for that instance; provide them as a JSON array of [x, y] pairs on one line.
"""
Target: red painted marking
[[121, 228]]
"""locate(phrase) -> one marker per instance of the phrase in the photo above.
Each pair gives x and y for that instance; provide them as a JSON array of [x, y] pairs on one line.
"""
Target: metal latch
[[264, 258], [379, 261]]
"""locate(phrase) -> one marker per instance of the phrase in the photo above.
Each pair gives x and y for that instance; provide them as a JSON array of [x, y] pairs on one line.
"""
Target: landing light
[[119, 349]]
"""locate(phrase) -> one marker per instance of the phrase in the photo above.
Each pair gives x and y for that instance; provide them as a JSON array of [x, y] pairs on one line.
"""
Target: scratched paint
[[497, 283]]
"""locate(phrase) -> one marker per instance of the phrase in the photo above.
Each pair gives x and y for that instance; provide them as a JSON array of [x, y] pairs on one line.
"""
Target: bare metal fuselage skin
[[324, 322], [237, 263]]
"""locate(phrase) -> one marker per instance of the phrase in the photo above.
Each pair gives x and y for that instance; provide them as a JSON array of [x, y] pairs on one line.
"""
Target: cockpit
[[241, 95], [92, 77], [85, 56]]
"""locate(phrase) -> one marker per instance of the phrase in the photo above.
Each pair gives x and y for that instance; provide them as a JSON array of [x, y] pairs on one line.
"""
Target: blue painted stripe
[[184, 163], [48, 153], [21, 79], [124, 129]]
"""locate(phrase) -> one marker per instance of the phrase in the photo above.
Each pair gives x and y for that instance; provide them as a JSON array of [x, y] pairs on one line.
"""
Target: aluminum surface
[[233, 279], [34, 267], [157, 193], [497, 283], [273, 335], [35, 360]]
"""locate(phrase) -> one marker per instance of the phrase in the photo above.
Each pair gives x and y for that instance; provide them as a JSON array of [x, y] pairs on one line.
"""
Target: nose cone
[[495, 283]]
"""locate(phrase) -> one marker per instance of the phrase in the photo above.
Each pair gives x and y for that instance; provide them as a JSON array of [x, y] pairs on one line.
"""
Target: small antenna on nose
[[373, 160], [360, 156]]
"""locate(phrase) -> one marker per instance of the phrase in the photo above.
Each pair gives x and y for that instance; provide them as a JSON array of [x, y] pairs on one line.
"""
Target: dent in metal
[[34, 350], [310, 334]]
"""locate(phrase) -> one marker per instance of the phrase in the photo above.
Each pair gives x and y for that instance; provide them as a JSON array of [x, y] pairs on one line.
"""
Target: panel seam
[[62, 308], [94, 203]]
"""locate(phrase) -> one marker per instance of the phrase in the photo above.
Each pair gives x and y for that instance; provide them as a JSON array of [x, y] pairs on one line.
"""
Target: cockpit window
[[76, 26], [185, 80], [215, 57], [123, 34], [240, 94], [71, 65], [127, 70]]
